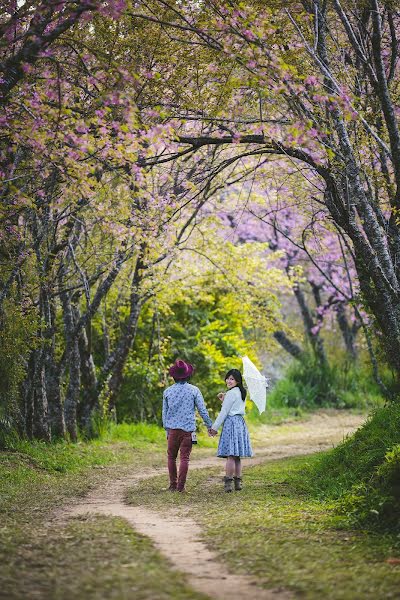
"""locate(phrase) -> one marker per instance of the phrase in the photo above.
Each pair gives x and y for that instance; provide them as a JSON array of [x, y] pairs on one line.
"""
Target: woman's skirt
[[234, 439]]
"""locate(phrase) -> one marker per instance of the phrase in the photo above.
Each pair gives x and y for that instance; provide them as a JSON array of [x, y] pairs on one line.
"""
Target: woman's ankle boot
[[238, 483], [228, 484]]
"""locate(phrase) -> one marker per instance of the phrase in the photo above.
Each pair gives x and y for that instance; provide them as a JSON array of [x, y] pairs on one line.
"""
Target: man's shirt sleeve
[[201, 407], [164, 410]]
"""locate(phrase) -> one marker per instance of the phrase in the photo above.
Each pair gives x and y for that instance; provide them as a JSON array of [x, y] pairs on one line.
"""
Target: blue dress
[[234, 439]]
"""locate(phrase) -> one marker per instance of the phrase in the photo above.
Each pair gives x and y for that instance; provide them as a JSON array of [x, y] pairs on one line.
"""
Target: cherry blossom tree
[[317, 83]]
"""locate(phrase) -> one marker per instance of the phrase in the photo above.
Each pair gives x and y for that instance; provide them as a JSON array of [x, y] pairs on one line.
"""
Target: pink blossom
[[249, 35], [311, 80]]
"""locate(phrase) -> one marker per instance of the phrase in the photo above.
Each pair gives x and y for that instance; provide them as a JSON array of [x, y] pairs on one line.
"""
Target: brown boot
[[228, 484], [238, 483]]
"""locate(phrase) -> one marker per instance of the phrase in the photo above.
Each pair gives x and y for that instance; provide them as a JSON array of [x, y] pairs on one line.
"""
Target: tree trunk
[[74, 367], [376, 248], [27, 395], [112, 373], [287, 344], [53, 379], [41, 429], [89, 398], [73, 390], [348, 332], [56, 409], [122, 352], [315, 339]]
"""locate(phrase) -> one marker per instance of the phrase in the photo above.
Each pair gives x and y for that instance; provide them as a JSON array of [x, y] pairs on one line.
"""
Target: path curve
[[178, 538]]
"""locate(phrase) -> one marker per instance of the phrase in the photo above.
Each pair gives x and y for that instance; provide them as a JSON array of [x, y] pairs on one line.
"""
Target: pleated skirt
[[234, 439]]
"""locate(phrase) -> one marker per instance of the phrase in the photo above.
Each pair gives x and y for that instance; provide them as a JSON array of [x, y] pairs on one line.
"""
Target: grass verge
[[36, 477], [307, 385], [362, 475]]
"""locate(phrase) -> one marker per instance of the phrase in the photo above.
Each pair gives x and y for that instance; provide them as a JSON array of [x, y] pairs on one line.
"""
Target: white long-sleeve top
[[232, 405]]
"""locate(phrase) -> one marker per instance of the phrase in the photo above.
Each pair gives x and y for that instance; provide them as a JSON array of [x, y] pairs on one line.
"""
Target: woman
[[234, 442]]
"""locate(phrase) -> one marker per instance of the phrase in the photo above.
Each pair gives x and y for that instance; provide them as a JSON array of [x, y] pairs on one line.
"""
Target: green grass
[[90, 558], [276, 531], [57, 562], [357, 458]]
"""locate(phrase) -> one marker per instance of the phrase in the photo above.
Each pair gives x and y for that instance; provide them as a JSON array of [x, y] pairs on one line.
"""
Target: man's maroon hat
[[181, 370]]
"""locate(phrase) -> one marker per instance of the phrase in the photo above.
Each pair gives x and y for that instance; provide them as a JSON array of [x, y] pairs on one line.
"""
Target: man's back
[[179, 403]]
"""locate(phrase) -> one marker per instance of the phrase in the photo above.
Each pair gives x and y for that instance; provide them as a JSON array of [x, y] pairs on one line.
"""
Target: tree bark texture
[[349, 332], [315, 339], [89, 397], [74, 368], [41, 429]]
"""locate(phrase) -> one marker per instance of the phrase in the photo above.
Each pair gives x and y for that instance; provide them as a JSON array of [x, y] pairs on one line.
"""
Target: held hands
[[212, 432]]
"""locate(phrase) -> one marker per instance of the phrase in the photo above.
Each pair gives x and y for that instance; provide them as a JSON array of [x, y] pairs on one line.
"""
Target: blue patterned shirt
[[179, 403]]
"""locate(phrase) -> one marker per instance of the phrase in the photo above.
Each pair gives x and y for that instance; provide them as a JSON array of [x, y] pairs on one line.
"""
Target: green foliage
[[309, 385], [203, 326], [136, 434]]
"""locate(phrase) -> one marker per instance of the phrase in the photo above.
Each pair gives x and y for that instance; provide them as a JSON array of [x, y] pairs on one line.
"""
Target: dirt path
[[179, 538]]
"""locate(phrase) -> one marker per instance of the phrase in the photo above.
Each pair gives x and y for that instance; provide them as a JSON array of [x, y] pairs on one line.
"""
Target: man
[[179, 403]]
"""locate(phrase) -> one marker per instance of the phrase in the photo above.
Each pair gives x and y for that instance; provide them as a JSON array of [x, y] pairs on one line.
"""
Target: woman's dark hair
[[237, 376], [181, 380]]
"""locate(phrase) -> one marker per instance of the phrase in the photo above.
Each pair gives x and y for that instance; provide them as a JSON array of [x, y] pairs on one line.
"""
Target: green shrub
[[308, 385], [205, 327]]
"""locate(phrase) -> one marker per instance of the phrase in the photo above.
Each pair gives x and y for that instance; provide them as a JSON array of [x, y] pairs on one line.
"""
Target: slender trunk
[[89, 398], [348, 332], [112, 373], [27, 391], [287, 344], [106, 337], [41, 429], [73, 362], [73, 390], [315, 339], [382, 89], [53, 379], [53, 389], [122, 353]]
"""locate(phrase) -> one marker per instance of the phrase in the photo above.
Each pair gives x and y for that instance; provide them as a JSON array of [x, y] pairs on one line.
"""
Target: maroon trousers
[[178, 439]]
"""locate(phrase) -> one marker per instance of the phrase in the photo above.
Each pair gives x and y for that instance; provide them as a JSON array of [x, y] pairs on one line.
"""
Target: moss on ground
[[277, 532]]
